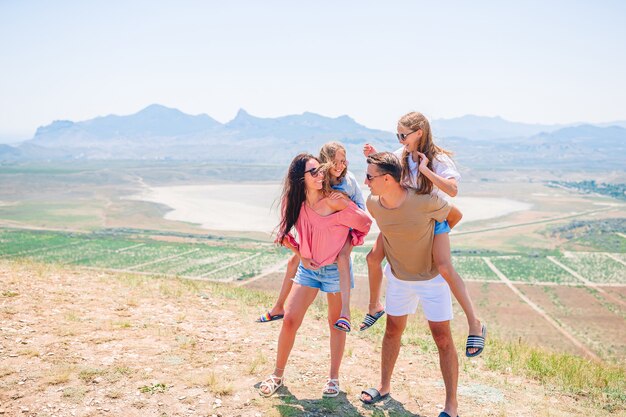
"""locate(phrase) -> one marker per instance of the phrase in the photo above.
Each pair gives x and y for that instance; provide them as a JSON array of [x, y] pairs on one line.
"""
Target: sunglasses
[[402, 136], [371, 177], [314, 171]]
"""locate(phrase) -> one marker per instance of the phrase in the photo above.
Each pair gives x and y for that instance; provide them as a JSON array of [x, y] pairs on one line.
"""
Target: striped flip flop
[[369, 320], [476, 342]]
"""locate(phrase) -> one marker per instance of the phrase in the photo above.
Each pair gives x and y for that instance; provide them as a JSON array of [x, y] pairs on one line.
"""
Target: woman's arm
[[286, 242], [306, 262], [356, 219]]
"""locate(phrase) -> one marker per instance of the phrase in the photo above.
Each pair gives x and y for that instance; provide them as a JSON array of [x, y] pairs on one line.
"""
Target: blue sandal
[[369, 320], [476, 342]]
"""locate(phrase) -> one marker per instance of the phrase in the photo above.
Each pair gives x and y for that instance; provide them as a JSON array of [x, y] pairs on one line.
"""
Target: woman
[[322, 224], [333, 155]]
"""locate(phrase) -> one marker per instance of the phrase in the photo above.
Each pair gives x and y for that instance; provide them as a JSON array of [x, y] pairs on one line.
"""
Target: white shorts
[[403, 297]]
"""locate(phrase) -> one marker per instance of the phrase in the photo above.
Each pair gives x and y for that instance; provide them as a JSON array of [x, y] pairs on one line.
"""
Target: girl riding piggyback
[[427, 168]]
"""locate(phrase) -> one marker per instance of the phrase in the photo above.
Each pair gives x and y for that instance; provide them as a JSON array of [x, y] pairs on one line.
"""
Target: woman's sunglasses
[[314, 171]]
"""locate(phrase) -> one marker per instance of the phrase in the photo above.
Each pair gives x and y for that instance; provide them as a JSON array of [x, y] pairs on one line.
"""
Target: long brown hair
[[294, 194], [417, 121], [327, 156]]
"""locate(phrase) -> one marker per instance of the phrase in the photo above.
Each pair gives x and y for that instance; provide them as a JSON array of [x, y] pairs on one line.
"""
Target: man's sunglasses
[[371, 177], [314, 171], [402, 136]]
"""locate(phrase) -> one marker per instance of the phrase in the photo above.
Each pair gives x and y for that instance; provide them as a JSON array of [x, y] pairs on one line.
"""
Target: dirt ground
[[500, 308], [81, 343]]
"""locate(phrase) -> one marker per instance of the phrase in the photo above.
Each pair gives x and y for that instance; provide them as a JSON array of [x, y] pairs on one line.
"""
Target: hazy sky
[[532, 61]]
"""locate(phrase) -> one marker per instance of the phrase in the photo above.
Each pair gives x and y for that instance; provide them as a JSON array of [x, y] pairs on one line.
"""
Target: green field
[[232, 259], [473, 268], [228, 260], [596, 267], [532, 269]]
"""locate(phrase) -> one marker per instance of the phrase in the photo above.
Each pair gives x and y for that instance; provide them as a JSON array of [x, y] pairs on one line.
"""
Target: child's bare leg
[[374, 259], [343, 265], [285, 288], [443, 260]]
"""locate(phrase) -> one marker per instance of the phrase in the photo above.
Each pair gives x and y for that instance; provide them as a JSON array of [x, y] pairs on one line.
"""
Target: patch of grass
[[139, 404], [153, 388], [170, 291], [285, 410], [117, 373], [217, 385], [603, 384], [259, 360], [9, 311], [30, 353], [74, 394], [328, 405], [122, 324], [114, 394], [122, 370], [59, 375], [89, 375], [10, 293], [416, 334], [5, 371], [348, 352], [72, 316]]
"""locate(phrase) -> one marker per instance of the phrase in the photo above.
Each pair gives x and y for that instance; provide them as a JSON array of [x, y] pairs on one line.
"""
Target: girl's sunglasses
[[402, 136]]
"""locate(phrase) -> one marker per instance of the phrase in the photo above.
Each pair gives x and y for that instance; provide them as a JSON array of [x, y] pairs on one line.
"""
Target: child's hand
[[423, 161], [368, 150], [309, 263]]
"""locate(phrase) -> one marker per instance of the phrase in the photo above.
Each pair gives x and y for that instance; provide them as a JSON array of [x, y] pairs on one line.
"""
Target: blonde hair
[[327, 157], [417, 121]]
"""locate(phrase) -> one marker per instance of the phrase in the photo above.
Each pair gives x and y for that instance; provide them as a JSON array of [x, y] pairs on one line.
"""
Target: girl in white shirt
[[420, 155]]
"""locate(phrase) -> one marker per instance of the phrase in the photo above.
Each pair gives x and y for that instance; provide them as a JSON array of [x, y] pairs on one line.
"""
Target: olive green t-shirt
[[408, 232]]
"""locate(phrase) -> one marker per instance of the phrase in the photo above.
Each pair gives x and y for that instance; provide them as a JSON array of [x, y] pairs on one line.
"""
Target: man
[[406, 221]]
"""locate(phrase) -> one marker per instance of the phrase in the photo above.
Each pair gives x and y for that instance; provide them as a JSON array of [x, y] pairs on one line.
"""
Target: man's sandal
[[369, 320], [331, 389], [476, 342], [374, 394], [272, 383]]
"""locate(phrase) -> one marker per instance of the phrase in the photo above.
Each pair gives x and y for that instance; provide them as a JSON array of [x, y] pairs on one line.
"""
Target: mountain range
[[161, 133]]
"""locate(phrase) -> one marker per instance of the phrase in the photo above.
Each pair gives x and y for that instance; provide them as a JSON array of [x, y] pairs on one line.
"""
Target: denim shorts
[[326, 278], [442, 227]]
